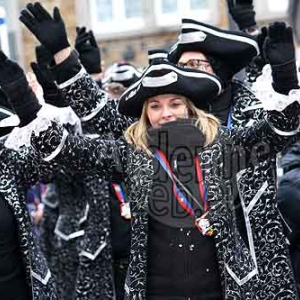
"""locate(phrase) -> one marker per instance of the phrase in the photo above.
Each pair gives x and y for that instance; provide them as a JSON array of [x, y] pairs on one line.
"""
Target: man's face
[[195, 60]]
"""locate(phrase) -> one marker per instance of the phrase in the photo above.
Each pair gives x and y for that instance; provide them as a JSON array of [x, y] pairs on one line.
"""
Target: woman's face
[[165, 108]]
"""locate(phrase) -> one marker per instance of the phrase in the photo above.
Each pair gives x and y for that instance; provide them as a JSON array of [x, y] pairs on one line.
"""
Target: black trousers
[[183, 298], [120, 270]]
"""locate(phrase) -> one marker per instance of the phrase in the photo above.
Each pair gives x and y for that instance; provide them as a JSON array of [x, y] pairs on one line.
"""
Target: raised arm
[[96, 111], [280, 121], [75, 154], [243, 13]]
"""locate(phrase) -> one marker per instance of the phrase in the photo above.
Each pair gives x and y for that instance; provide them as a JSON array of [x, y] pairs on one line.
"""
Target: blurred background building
[[126, 29]]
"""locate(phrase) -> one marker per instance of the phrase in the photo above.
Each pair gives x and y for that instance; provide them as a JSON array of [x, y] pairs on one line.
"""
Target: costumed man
[[225, 53], [288, 198], [109, 226], [23, 268], [95, 274], [48, 222], [68, 231], [118, 78], [78, 241], [242, 11]]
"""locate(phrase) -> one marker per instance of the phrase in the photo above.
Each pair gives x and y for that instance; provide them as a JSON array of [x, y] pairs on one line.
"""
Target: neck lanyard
[[201, 222], [124, 206], [229, 118]]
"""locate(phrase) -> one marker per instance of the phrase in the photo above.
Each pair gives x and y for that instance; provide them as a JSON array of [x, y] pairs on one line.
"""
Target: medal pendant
[[204, 226], [125, 211]]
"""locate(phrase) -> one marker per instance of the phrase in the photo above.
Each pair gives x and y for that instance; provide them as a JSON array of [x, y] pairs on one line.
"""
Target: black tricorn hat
[[163, 77], [157, 54], [123, 73], [236, 49]]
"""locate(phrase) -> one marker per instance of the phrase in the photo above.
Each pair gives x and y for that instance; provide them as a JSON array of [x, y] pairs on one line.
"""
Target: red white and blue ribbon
[[182, 200], [124, 206]]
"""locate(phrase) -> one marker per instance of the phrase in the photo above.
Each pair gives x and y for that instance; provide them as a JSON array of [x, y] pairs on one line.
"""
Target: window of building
[[169, 6], [104, 10], [116, 16], [267, 10], [170, 12], [280, 7], [133, 9]]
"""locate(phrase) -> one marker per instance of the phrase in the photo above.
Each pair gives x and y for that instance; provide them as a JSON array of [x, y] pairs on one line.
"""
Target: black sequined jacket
[[19, 171]]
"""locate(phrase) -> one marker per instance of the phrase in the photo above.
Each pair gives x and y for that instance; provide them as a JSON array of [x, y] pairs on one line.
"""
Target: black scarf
[[220, 108], [176, 135], [180, 141]]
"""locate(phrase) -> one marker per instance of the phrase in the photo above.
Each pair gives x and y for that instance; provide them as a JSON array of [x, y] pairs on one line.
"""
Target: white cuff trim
[[93, 256], [67, 83], [45, 280], [20, 137], [270, 99], [59, 148], [285, 133], [100, 105], [242, 281], [70, 236]]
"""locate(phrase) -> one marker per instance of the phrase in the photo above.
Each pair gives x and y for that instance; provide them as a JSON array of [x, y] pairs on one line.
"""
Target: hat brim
[[236, 49], [165, 78], [8, 121], [8, 118], [124, 74]]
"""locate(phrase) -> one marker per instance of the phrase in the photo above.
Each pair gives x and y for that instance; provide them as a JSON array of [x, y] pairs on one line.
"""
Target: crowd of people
[[158, 183]]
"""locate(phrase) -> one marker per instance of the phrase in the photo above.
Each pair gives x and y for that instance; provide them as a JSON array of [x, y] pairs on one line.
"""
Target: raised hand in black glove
[[279, 52], [43, 56], [254, 69], [242, 12], [50, 31], [89, 52], [260, 59], [15, 86], [52, 94]]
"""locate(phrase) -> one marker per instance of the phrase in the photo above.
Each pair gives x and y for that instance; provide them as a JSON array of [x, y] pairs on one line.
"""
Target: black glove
[[254, 69], [50, 32], [43, 56], [41, 69], [260, 60], [15, 86], [89, 52], [279, 52], [52, 94], [242, 12]]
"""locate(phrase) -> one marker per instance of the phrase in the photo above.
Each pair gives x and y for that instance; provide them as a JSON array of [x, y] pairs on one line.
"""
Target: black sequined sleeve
[[269, 136], [30, 169], [98, 113], [81, 154], [246, 110]]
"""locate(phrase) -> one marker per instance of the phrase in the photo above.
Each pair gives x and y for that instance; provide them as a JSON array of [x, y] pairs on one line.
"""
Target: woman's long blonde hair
[[136, 134]]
